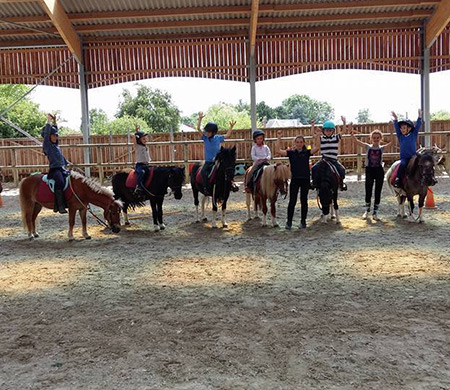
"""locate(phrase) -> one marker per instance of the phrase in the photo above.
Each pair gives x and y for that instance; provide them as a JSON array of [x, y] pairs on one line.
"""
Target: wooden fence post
[[447, 154], [101, 175], [186, 164], [359, 162], [15, 171]]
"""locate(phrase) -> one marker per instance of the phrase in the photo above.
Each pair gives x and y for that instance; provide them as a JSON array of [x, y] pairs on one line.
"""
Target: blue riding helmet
[[328, 125], [257, 133], [211, 127]]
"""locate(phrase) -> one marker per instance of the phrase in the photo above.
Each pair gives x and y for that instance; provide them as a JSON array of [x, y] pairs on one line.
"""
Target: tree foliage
[[101, 125], [223, 113], [440, 115], [154, 106], [305, 108], [364, 116], [24, 114]]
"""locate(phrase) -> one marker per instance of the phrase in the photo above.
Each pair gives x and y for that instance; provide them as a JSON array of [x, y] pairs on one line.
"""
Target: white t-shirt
[[261, 153]]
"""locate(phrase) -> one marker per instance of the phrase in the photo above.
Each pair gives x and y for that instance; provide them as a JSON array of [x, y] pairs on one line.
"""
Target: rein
[[88, 207]]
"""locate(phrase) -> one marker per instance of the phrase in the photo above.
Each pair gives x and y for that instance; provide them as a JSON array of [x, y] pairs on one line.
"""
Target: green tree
[[440, 115], [364, 116], [24, 114], [265, 111], [154, 106], [222, 114], [98, 121], [121, 126], [305, 109]]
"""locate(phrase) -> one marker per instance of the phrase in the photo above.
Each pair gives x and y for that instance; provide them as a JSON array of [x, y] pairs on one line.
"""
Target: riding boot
[[343, 186], [397, 182], [234, 187], [60, 202]]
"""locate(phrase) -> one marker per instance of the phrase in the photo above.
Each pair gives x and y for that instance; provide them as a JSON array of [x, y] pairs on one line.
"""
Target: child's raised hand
[[279, 133], [312, 122], [232, 123], [201, 115], [394, 115], [420, 113], [344, 119]]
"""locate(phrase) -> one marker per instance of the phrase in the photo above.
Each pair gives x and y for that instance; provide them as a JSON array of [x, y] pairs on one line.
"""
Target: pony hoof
[[205, 219], [197, 221], [224, 225], [276, 225], [71, 239], [31, 238], [333, 217], [404, 216], [36, 235], [87, 237], [127, 224]]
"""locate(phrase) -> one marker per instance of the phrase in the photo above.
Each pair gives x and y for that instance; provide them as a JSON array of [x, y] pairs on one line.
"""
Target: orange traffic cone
[[429, 201]]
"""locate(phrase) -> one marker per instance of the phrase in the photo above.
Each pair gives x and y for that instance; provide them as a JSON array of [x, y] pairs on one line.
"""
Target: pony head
[[112, 215], [176, 180], [281, 177], [227, 159], [426, 165]]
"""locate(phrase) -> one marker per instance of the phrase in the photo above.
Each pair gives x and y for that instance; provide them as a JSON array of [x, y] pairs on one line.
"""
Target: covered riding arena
[[360, 305]]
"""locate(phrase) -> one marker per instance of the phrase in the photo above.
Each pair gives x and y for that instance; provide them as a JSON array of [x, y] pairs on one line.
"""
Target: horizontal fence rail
[[20, 157]]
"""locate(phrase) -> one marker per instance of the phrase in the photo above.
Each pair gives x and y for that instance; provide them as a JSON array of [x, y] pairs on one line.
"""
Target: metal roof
[[125, 40]]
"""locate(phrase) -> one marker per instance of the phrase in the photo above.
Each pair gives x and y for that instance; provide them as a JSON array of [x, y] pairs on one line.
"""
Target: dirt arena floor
[[361, 305]]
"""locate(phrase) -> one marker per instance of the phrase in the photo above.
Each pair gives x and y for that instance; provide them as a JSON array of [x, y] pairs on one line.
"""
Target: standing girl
[[374, 169], [300, 174]]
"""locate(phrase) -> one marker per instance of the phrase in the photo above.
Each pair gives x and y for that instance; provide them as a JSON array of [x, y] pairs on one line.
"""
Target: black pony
[[419, 176], [326, 180], [163, 178], [221, 183]]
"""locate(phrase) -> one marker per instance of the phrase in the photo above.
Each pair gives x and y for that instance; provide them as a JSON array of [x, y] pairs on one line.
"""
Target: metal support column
[[85, 127], [253, 87], [425, 90]]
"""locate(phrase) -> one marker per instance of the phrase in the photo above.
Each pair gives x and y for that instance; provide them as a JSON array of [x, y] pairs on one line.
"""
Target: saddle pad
[[132, 179], [211, 176], [45, 195], [394, 174]]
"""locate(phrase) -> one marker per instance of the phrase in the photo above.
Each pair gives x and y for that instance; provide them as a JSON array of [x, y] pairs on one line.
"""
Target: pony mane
[[272, 173], [93, 184]]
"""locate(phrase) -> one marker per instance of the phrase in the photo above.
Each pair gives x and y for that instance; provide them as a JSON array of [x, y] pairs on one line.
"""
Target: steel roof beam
[[62, 23], [437, 23]]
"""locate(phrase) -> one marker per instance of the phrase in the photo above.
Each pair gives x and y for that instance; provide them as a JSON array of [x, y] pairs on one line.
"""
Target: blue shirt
[[408, 142], [212, 146], [51, 150]]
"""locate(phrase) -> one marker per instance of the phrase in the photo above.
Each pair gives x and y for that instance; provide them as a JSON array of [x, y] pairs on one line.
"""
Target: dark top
[[53, 151], [299, 161]]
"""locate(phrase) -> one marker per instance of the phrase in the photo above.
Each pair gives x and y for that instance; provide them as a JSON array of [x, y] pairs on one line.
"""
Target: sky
[[347, 91]]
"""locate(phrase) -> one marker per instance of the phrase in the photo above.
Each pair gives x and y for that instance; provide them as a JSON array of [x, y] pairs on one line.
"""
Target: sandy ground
[[361, 305]]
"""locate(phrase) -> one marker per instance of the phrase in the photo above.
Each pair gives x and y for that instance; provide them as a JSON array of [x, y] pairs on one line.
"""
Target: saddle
[[132, 177], [409, 169], [46, 190], [334, 170], [211, 175]]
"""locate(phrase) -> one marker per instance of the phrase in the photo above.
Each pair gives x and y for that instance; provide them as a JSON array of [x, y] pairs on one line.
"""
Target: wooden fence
[[20, 157]]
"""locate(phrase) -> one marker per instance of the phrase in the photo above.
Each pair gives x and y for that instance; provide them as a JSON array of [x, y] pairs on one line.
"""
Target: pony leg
[[125, 214], [154, 215], [202, 216], [83, 217], [248, 199], [36, 210], [214, 214], [264, 210], [27, 215], [159, 206], [273, 212], [72, 212], [421, 203], [411, 210], [224, 215], [335, 209]]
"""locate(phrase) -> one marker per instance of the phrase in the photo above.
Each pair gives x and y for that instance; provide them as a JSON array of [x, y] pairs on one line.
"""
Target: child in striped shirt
[[329, 146]]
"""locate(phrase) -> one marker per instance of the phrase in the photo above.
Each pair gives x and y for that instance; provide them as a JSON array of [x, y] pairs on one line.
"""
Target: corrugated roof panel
[[72, 6], [21, 9]]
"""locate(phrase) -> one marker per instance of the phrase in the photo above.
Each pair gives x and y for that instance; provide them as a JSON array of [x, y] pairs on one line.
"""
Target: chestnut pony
[[85, 191], [273, 180]]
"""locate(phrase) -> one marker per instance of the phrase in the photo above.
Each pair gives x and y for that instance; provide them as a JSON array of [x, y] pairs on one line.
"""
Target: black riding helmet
[[406, 122], [139, 135], [257, 133], [211, 127]]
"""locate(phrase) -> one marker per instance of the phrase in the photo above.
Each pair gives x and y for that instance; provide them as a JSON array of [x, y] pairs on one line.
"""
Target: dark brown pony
[[85, 191], [273, 180]]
